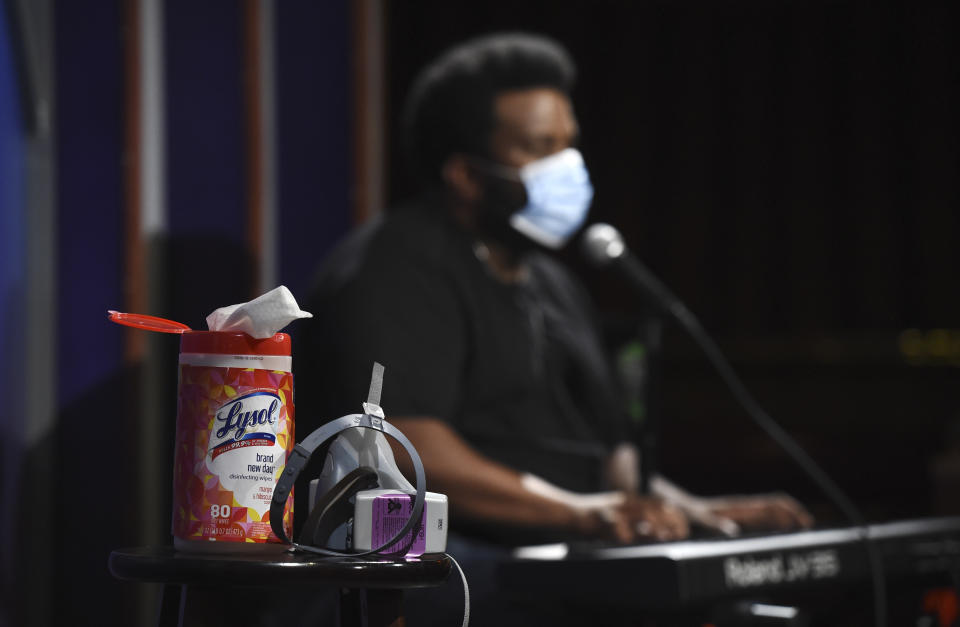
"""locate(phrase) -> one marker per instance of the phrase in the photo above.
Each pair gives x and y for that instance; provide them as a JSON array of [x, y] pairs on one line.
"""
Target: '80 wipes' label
[[234, 431]]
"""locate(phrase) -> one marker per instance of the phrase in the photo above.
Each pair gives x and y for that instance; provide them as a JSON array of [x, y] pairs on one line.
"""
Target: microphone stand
[[651, 332]]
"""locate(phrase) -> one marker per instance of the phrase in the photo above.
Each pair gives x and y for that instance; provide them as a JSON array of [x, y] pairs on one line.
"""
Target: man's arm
[[730, 515], [733, 514], [482, 489]]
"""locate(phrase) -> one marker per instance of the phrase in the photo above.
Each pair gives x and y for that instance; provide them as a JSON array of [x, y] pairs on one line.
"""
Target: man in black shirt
[[495, 368]]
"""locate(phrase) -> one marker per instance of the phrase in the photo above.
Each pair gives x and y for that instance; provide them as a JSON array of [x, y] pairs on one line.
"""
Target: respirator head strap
[[297, 459], [301, 455], [334, 508]]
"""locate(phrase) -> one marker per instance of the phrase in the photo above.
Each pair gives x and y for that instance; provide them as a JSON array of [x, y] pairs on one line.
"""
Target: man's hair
[[450, 107]]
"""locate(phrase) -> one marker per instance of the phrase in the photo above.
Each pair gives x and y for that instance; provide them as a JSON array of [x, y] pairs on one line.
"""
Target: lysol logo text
[[251, 419]]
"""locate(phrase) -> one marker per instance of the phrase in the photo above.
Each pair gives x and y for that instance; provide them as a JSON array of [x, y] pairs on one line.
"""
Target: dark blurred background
[[789, 169]]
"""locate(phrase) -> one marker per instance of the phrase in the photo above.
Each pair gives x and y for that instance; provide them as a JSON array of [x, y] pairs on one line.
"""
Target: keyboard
[[679, 574]]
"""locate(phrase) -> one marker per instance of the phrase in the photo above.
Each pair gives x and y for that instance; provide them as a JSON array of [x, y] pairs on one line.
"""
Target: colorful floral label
[[234, 432]]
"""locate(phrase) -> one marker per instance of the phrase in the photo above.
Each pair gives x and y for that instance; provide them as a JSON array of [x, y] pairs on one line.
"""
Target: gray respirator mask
[[359, 469]]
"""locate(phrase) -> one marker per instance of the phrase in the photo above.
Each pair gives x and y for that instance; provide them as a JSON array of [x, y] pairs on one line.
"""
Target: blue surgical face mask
[[558, 198]]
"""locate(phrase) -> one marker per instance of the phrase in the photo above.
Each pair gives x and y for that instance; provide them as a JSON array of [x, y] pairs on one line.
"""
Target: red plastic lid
[[227, 343], [148, 323]]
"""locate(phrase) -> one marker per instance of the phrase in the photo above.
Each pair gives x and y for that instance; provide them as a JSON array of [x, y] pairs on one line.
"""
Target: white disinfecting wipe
[[261, 317]]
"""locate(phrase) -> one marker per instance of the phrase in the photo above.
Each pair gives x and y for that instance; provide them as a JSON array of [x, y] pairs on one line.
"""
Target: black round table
[[203, 589]]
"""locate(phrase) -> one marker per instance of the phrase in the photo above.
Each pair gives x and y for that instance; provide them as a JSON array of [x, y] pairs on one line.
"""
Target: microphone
[[602, 245]]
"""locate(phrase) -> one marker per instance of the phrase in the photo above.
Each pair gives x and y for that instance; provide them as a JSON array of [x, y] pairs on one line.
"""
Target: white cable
[[466, 592]]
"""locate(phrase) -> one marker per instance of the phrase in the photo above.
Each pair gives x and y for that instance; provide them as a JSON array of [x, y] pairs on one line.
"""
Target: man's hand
[[768, 512], [731, 515], [649, 517], [635, 518]]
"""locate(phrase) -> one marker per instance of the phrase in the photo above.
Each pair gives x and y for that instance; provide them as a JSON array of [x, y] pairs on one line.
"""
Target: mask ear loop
[[301, 455]]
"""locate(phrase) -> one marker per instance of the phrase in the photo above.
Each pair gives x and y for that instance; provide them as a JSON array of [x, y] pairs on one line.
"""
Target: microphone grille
[[602, 244]]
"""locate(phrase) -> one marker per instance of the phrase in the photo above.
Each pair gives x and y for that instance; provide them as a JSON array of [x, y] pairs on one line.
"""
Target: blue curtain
[[12, 292]]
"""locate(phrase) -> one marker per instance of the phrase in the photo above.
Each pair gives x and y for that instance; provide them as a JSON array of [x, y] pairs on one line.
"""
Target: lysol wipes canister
[[235, 428]]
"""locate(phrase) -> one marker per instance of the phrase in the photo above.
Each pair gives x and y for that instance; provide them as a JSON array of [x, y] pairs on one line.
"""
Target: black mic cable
[[603, 245]]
